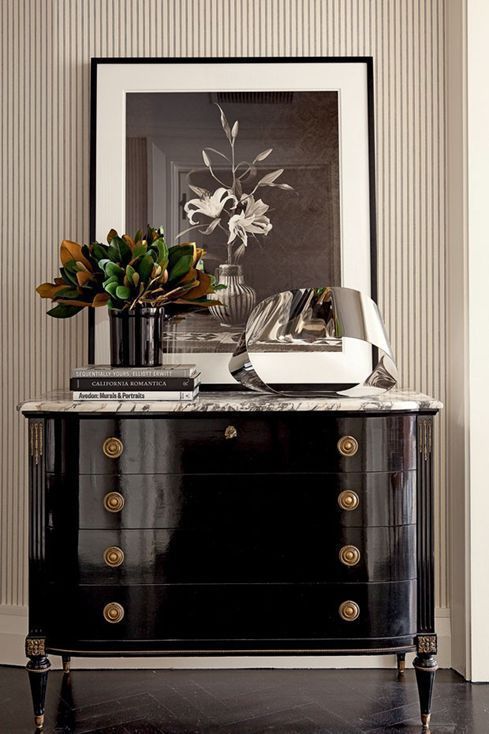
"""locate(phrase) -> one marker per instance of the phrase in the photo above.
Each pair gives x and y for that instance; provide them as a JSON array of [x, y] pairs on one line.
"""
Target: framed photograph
[[268, 164]]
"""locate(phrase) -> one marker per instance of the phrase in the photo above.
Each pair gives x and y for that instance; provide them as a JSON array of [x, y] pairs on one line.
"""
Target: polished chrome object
[[347, 446], [231, 432], [113, 447], [113, 612], [300, 331], [114, 502], [349, 555], [113, 556], [349, 611], [348, 500]]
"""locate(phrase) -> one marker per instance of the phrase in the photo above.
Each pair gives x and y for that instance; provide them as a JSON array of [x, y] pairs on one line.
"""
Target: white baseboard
[[13, 629]]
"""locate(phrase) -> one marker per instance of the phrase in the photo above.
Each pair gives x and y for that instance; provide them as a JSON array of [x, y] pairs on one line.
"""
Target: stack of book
[[100, 382]]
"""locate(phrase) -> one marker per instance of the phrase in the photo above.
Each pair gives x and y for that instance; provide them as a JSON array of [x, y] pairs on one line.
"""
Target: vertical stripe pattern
[[45, 91]]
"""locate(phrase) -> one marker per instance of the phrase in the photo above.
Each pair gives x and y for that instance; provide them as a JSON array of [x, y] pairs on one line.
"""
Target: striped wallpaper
[[45, 92]]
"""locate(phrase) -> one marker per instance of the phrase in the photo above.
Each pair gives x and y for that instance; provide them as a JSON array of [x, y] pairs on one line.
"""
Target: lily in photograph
[[237, 213]]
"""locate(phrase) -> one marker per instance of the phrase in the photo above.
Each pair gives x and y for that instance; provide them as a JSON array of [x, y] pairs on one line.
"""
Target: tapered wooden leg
[[37, 668], [425, 665], [401, 663], [66, 663]]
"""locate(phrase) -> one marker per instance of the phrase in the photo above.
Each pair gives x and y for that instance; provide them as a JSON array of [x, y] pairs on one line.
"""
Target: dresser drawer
[[191, 501], [234, 555], [232, 613], [238, 443]]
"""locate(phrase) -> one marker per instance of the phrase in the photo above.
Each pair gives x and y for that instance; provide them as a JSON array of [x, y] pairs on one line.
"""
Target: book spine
[[145, 384], [131, 372], [134, 396]]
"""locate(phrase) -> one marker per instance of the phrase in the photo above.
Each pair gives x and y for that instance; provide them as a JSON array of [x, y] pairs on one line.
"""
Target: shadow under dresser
[[233, 524]]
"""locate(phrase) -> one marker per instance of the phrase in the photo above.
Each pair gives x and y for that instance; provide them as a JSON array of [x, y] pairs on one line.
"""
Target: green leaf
[[68, 277], [68, 293], [63, 312], [130, 272], [99, 252], [113, 269], [145, 267], [122, 292], [124, 249], [140, 249], [180, 267], [162, 249], [113, 252], [111, 288], [138, 236], [112, 279]]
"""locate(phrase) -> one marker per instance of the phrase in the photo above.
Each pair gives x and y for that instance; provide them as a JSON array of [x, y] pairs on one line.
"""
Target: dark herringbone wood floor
[[242, 702]]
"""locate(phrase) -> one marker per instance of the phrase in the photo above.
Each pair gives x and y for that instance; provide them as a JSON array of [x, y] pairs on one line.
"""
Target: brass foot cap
[[39, 721], [66, 668], [425, 718], [401, 667]]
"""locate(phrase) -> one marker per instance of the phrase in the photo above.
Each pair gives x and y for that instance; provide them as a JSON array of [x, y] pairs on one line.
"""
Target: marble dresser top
[[244, 401]]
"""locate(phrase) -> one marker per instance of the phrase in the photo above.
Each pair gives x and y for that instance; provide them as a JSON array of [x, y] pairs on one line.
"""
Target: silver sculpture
[[311, 322]]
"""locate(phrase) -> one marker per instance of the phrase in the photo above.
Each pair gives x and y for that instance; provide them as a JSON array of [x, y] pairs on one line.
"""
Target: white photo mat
[[349, 79]]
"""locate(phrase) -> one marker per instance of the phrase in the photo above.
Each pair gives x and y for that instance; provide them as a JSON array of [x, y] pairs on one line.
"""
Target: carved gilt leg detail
[[37, 669], [425, 666]]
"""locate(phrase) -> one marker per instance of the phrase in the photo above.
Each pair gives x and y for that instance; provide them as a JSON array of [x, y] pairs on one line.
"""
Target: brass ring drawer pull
[[113, 612], [113, 556], [114, 502], [347, 446], [113, 447], [349, 555], [349, 611], [348, 500], [230, 432]]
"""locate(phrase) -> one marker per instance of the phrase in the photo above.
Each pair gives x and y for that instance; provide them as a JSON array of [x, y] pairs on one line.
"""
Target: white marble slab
[[242, 401]]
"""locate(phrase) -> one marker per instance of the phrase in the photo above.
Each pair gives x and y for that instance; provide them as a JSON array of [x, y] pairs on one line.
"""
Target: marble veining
[[242, 401]]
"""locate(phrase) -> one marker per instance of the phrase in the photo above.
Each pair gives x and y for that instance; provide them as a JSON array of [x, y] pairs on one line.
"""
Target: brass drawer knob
[[348, 500], [349, 611], [230, 432], [114, 502], [113, 612], [113, 447], [113, 556], [347, 446], [349, 555]]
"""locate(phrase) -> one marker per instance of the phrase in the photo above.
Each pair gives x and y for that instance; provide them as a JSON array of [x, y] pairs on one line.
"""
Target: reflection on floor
[[242, 702]]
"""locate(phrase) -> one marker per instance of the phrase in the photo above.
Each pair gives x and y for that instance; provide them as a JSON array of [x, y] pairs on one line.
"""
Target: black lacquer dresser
[[235, 524]]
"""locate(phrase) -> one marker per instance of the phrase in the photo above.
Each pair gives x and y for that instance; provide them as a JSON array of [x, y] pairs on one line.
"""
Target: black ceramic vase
[[136, 337]]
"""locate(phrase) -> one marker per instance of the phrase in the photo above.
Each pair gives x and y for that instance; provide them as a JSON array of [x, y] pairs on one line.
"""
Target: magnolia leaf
[[101, 299], [234, 131], [62, 311], [145, 267], [83, 278], [180, 267], [49, 290], [99, 252], [129, 240], [122, 292], [225, 123], [264, 154], [72, 251], [111, 287], [140, 249], [113, 269], [138, 236], [202, 288], [111, 235]]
